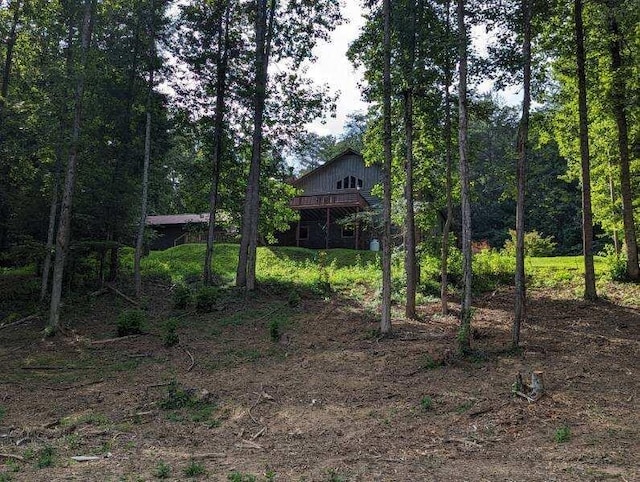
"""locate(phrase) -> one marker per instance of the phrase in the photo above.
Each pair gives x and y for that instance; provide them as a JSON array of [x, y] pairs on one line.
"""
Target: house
[[174, 229], [336, 190]]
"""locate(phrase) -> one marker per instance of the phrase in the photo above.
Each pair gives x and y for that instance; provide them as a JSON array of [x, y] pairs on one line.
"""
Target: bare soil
[[329, 401]]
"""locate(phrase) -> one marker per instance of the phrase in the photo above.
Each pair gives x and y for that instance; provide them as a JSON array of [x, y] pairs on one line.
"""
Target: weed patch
[[194, 469], [163, 470], [562, 434]]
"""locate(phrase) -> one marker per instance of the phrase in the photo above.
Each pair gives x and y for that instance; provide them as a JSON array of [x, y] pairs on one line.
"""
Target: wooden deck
[[351, 199]]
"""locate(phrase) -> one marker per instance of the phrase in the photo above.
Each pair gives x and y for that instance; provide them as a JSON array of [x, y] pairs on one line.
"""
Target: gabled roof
[[344, 153], [177, 219]]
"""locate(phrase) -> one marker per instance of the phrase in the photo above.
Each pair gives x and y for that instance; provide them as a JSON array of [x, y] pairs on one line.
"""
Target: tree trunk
[[464, 335], [523, 136], [618, 98], [64, 225], [221, 72], [5, 167], [385, 322], [246, 273], [147, 157], [444, 268], [587, 217], [410, 225], [55, 195]]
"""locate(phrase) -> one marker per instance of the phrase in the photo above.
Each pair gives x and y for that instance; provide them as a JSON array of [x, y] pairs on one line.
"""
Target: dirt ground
[[329, 401]]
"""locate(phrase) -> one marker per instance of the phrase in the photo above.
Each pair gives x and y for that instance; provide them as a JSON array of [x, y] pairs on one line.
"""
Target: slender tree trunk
[[55, 194], [444, 268], [246, 274], [64, 226], [385, 322], [147, 157], [410, 225], [587, 216], [618, 97], [612, 198], [520, 308], [5, 167], [410, 263], [464, 335], [221, 72]]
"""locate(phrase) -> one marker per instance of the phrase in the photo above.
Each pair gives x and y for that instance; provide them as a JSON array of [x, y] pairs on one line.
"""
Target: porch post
[[326, 241], [298, 234], [357, 228]]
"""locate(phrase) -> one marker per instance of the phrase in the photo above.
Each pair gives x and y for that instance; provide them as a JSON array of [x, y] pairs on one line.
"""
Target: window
[[348, 231], [303, 232], [349, 182]]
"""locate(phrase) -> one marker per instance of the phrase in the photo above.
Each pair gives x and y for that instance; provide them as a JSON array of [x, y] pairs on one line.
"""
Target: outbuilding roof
[[177, 219]]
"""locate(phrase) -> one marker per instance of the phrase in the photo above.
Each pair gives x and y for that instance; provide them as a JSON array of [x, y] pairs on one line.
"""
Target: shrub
[[163, 470], [46, 457], [236, 476], [131, 322], [194, 469], [206, 298], [274, 330], [181, 296], [170, 336], [562, 434], [426, 403], [616, 263], [534, 244]]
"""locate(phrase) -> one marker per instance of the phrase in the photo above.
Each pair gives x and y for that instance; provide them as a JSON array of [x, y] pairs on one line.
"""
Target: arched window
[[349, 182]]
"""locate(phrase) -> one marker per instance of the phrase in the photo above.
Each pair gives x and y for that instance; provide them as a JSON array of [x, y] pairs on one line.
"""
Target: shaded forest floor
[[329, 401]]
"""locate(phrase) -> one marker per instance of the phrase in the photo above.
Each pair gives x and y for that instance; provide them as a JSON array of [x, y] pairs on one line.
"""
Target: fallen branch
[[261, 432], [120, 293], [112, 340], [85, 458], [193, 361], [99, 292], [19, 322], [50, 367], [248, 444], [156, 385], [73, 387], [211, 455], [11, 456]]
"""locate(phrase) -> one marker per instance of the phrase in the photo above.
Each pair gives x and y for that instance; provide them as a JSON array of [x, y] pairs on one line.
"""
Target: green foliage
[[274, 330], [46, 457], [163, 470], [206, 298], [562, 434], [615, 263], [178, 397], [294, 298], [181, 296], [334, 476], [534, 244], [194, 469], [237, 476], [427, 362], [426, 403], [169, 332], [131, 322]]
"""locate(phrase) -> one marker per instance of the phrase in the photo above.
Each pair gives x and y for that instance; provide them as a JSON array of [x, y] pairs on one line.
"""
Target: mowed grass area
[[344, 268]]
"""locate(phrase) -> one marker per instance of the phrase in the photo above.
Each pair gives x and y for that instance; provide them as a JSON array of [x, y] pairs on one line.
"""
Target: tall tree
[[246, 273], [523, 138], [447, 134], [222, 61], [64, 226], [385, 322], [147, 156], [618, 103], [587, 216], [464, 334]]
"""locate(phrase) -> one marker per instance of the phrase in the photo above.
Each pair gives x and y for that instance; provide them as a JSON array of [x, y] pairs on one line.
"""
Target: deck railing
[[328, 200]]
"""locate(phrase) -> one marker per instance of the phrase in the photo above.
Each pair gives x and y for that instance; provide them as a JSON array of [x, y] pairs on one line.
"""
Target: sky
[[334, 69]]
